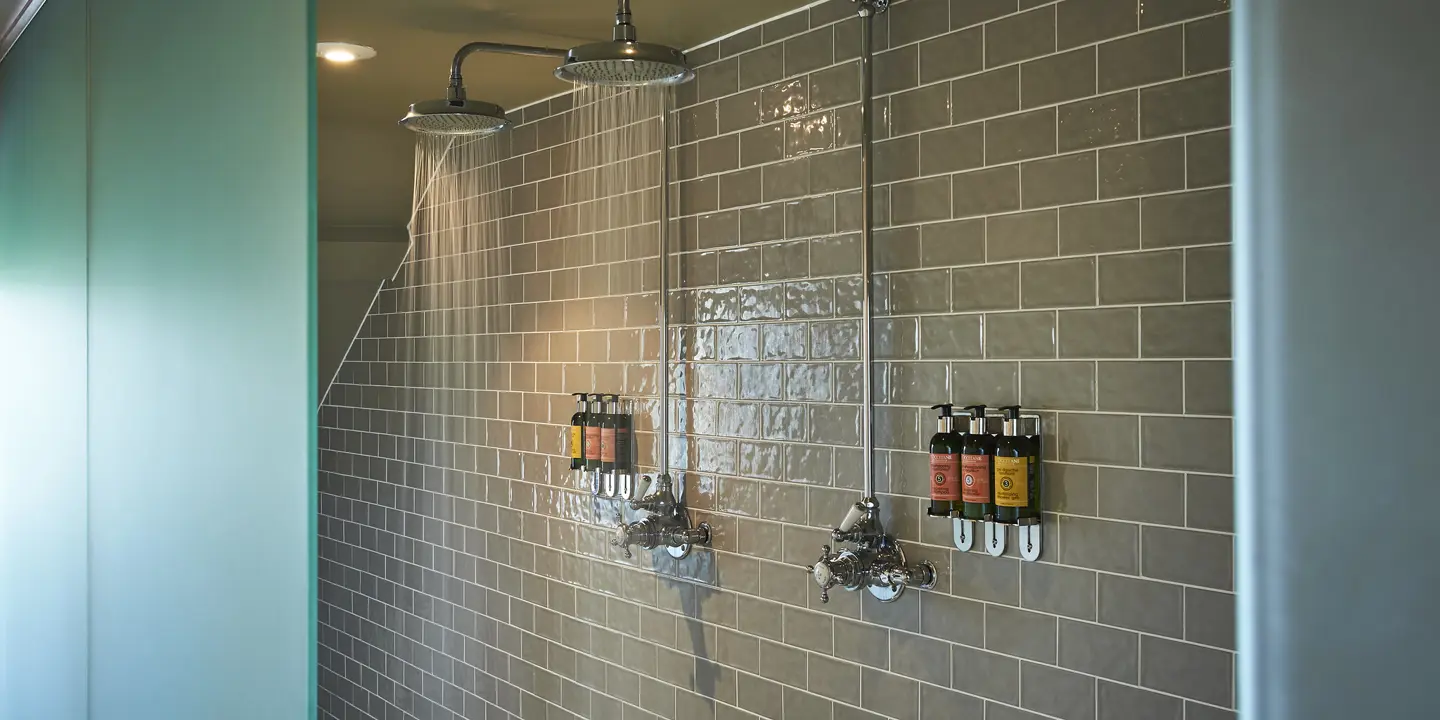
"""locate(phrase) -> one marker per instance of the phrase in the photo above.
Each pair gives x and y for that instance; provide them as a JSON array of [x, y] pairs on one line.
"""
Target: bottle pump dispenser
[[577, 433], [1012, 470], [977, 469], [945, 447], [592, 442]]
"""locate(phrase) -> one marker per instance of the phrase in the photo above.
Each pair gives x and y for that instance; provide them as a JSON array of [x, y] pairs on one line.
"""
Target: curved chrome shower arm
[[457, 83]]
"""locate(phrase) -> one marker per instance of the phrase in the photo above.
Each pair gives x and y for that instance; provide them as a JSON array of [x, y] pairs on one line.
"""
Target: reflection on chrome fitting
[[875, 563], [667, 525]]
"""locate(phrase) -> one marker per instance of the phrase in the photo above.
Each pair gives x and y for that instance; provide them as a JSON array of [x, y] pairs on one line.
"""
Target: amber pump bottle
[[977, 469], [1012, 469], [577, 432], [592, 432], [623, 435], [944, 465]]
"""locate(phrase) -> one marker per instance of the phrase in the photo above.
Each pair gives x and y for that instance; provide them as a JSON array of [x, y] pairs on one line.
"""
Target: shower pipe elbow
[[456, 81]]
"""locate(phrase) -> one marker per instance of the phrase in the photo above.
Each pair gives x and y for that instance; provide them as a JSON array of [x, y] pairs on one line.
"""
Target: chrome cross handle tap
[[835, 569], [667, 525], [876, 563]]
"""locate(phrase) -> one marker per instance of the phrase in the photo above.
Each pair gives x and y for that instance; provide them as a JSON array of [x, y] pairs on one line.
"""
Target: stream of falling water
[[616, 137], [513, 244], [448, 283]]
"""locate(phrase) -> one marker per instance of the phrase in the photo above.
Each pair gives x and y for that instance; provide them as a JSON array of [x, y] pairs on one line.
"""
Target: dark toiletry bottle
[[623, 425], [592, 432], [1012, 469], [1032, 510], [609, 412], [944, 464], [577, 433], [977, 469]]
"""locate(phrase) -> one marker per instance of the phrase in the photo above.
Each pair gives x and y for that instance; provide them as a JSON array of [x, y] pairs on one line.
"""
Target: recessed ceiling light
[[339, 52]]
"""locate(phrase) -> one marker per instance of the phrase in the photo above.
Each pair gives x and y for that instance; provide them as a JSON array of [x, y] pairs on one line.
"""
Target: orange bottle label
[[592, 442], [975, 478], [944, 476], [1012, 482]]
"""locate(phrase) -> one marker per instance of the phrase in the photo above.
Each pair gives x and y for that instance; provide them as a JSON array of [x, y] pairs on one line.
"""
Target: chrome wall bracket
[[875, 562], [618, 485], [992, 535], [667, 525]]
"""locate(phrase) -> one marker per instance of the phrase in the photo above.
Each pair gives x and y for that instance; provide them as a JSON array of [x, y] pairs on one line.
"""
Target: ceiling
[[365, 171]]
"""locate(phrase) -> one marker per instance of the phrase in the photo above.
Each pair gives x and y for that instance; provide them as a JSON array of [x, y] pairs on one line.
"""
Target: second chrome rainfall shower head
[[620, 62]]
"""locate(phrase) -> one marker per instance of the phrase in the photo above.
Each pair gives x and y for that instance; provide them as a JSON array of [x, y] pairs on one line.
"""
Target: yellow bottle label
[[576, 434], [1012, 482]]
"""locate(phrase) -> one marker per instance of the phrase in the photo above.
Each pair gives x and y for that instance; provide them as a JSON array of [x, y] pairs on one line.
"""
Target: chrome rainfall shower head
[[455, 117], [623, 62]]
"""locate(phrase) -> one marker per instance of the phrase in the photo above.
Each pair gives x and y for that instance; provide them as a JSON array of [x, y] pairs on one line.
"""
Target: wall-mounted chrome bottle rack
[[993, 530]]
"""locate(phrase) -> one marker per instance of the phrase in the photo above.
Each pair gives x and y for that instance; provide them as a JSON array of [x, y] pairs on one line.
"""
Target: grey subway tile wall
[[1053, 203]]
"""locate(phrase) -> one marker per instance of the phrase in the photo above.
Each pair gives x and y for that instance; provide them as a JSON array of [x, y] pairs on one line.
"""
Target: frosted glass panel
[[42, 361], [202, 399]]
